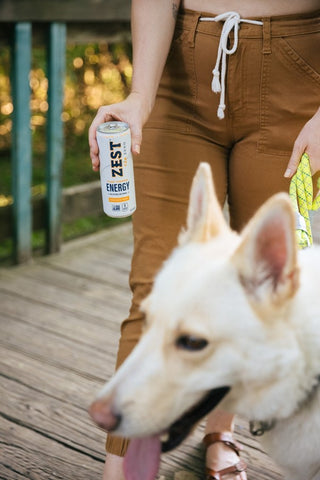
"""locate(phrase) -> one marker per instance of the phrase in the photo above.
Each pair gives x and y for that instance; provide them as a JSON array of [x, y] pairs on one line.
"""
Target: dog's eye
[[189, 342]]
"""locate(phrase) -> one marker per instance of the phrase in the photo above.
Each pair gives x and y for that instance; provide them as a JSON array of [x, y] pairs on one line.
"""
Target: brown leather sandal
[[227, 439]]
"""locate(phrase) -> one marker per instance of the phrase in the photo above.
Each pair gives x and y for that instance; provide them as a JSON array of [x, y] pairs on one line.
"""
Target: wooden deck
[[59, 320]]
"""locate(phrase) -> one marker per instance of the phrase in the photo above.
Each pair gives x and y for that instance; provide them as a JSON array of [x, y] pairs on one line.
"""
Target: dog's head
[[218, 300]]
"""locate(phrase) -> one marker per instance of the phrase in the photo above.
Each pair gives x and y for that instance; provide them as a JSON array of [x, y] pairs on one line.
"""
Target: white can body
[[116, 169]]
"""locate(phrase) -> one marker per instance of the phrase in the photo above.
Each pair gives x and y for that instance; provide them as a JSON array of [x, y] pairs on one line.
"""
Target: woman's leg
[[113, 467], [163, 175], [280, 94]]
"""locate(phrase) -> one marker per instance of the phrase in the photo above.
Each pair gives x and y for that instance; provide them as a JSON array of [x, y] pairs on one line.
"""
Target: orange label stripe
[[120, 199]]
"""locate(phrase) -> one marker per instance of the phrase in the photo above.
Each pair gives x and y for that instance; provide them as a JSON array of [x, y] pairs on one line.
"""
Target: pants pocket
[[290, 91], [175, 101]]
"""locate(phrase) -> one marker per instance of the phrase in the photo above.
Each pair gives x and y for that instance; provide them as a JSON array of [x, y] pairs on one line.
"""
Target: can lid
[[113, 127]]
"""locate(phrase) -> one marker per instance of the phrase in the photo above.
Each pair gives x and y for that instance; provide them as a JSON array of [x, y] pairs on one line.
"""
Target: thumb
[[297, 152]]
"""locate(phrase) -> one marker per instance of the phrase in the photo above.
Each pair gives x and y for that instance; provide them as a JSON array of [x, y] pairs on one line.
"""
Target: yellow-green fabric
[[301, 194]]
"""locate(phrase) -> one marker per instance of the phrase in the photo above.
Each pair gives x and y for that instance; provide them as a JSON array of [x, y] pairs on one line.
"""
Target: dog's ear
[[205, 218], [266, 258]]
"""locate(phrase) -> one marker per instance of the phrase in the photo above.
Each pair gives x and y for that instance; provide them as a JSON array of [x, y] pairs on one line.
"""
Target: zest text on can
[[116, 169]]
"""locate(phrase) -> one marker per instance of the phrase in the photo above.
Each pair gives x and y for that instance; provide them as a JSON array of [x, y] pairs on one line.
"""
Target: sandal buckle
[[240, 466]]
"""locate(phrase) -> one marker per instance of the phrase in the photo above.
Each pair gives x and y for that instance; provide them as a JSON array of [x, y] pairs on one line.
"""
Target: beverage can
[[116, 169]]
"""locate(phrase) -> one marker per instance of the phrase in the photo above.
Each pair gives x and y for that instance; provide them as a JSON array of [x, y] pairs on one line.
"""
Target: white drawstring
[[232, 21]]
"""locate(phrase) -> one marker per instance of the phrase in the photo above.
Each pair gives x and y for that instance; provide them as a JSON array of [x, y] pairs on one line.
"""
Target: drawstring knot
[[232, 22], [215, 84], [221, 110]]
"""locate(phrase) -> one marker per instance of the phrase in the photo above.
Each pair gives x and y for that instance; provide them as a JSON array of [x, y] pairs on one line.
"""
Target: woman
[[262, 114]]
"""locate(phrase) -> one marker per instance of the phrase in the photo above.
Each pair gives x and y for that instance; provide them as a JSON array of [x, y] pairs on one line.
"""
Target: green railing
[[22, 20], [21, 137]]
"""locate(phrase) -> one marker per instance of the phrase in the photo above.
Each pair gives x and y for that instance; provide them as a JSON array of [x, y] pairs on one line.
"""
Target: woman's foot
[[220, 455], [113, 468]]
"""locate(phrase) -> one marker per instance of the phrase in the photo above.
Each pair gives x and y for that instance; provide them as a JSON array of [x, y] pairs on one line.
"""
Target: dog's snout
[[103, 415]]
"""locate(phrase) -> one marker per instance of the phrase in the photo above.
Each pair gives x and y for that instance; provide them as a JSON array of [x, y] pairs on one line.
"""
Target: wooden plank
[[55, 141], [70, 324], [110, 237], [77, 303], [57, 347], [21, 142], [111, 263], [62, 420], [95, 266], [51, 380], [30, 455], [54, 349], [91, 287], [64, 10], [81, 300], [50, 417], [56, 419], [185, 461]]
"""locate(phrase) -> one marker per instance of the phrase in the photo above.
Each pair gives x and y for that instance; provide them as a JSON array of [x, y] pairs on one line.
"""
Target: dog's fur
[[241, 311]]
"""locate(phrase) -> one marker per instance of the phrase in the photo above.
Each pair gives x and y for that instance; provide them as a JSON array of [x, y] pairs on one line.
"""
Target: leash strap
[[301, 194]]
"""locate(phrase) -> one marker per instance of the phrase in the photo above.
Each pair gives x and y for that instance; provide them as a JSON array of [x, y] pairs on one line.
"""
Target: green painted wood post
[[55, 137], [21, 142]]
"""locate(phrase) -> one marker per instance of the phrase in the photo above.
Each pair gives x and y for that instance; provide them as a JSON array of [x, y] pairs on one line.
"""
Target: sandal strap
[[225, 438], [239, 467]]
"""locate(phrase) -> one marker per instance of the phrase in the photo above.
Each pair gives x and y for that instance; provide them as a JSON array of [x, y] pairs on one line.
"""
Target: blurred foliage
[[96, 74]]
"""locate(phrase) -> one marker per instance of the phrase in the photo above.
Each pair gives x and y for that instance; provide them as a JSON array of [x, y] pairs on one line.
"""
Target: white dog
[[230, 316]]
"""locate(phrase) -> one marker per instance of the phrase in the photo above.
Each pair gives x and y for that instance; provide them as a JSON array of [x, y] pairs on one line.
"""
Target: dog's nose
[[102, 414]]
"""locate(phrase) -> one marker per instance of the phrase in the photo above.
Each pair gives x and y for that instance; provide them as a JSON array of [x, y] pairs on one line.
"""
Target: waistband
[[280, 26]]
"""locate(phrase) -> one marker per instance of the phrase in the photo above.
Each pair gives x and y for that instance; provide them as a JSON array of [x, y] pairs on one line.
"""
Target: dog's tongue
[[142, 458]]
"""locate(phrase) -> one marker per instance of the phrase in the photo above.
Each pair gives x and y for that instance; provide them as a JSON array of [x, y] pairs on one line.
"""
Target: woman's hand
[[152, 27], [307, 141], [132, 110]]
